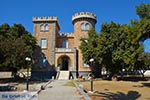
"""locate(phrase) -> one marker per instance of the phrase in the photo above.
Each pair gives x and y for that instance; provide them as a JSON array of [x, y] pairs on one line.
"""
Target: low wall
[[6, 74]]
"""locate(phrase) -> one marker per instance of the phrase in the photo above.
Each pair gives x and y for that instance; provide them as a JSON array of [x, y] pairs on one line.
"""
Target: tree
[[143, 11], [118, 46], [89, 50], [143, 63], [115, 48], [15, 44], [113, 43]]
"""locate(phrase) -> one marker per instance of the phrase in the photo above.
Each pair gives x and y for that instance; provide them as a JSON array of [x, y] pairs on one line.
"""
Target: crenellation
[[83, 15], [66, 34], [50, 18]]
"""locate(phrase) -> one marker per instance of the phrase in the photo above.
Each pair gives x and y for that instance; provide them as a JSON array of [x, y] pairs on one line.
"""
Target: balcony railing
[[64, 49]]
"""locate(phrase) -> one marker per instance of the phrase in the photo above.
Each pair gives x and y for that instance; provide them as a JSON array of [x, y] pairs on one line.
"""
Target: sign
[[18, 96]]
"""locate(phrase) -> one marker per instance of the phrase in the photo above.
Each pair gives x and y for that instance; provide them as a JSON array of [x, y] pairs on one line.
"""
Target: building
[[57, 51]]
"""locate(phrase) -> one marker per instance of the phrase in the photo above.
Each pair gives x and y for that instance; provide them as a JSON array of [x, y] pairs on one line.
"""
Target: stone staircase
[[63, 75]]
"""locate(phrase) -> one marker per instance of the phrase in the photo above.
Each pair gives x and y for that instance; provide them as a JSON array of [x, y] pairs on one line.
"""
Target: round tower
[[83, 22]]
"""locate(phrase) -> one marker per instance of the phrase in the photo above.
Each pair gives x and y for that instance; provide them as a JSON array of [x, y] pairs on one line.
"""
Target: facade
[[57, 51]]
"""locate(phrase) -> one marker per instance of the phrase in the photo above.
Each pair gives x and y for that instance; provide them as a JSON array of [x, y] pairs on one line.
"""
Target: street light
[[91, 60], [27, 60]]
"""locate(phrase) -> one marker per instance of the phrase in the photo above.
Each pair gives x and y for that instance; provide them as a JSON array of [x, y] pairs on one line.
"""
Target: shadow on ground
[[146, 84], [131, 95]]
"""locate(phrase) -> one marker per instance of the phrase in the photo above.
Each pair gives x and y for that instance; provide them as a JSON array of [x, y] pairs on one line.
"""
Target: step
[[63, 75]]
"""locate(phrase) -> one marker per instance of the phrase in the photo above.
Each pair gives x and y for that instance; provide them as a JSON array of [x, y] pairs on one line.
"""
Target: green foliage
[[89, 49], [113, 44], [15, 44], [88, 46], [143, 11], [118, 46]]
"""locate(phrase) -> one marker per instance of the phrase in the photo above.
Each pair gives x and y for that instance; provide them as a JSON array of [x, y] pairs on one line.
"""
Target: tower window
[[43, 43], [44, 27], [87, 27], [82, 26]]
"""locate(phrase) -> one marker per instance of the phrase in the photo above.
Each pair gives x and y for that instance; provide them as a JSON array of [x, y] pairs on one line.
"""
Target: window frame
[[82, 26], [43, 43], [87, 26], [46, 27], [42, 28], [65, 43]]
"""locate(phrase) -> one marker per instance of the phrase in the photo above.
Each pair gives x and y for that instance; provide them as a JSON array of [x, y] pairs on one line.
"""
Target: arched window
[[87, 27], [42, 27], [46, 27], [82, 26], [65, 44]]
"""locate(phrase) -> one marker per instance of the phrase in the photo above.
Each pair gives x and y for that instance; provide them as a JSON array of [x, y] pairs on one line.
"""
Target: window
[[46, 27], [65, 44], [42, 27], [43, 43], [87, 27], [85, 64], [82, 26]]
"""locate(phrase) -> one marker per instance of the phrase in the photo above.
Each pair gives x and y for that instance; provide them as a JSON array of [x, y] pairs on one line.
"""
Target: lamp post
[[27, 78], [91, 60]]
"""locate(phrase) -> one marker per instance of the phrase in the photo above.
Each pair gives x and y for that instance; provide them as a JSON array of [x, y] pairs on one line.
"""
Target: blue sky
[[22, 11]]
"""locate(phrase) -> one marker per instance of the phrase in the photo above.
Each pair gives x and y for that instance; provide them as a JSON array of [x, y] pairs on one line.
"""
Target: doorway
[[64, 63]]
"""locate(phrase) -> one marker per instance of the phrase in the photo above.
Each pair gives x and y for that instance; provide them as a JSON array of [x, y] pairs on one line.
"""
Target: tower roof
[[83, 15]]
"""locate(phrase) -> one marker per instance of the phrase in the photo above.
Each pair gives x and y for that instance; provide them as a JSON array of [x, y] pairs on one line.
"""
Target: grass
[[70, 83]]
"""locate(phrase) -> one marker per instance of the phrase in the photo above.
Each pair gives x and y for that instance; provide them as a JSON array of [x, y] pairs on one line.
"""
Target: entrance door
[[64, 64]]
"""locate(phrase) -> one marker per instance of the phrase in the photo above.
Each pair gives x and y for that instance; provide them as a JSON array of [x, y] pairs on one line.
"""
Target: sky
[[22, 11]]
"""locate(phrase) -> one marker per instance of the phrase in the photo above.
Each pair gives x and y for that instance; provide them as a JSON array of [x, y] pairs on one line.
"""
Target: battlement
[[46, 19], [50, 18], [66, 34], [83, 15]]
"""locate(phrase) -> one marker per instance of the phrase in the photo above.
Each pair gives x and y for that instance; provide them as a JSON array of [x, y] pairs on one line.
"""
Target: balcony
[[65, 49]]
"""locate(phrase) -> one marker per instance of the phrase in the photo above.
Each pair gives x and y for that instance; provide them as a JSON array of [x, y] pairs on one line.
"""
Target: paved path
[[57, 91]]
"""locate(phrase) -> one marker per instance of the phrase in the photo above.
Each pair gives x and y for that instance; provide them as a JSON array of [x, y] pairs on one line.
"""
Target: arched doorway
[[64, 62]]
